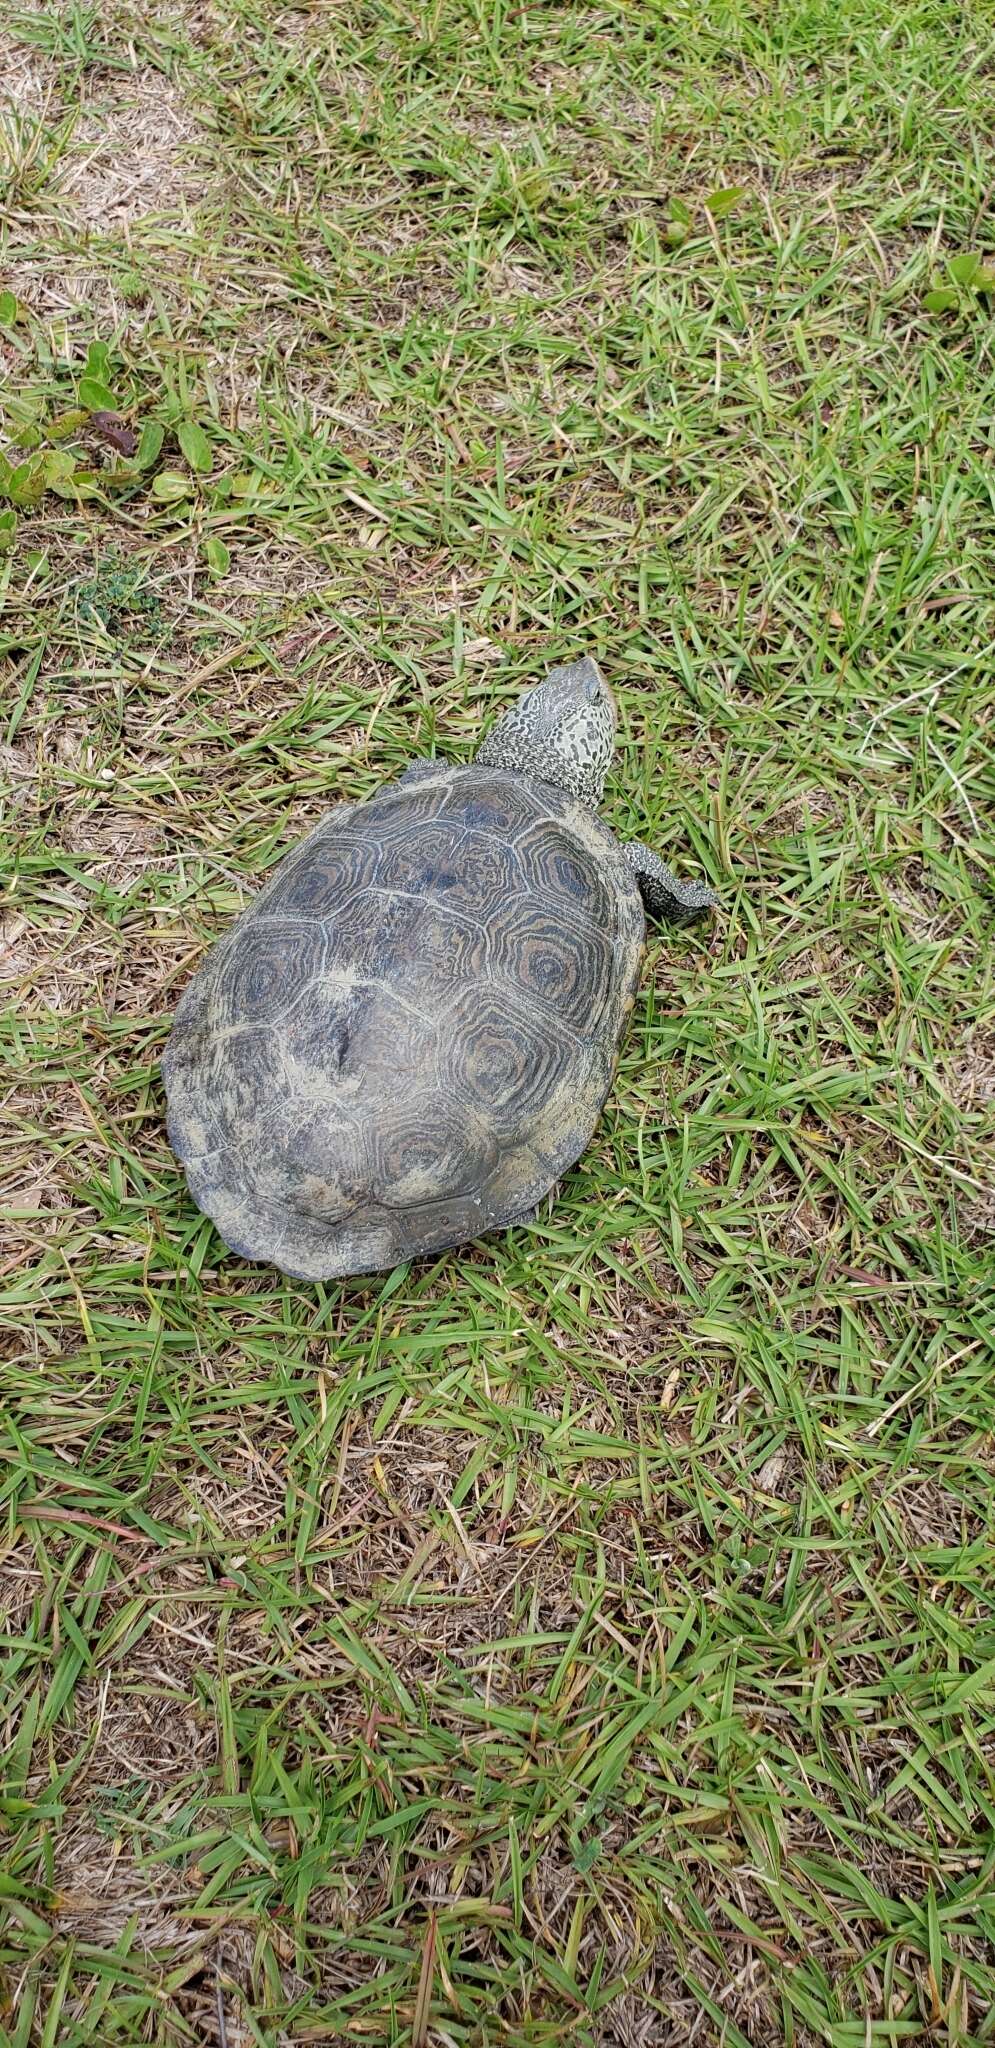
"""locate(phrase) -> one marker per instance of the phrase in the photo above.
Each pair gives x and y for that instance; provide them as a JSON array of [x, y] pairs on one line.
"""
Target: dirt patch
[[133, 155], [971, 1072]]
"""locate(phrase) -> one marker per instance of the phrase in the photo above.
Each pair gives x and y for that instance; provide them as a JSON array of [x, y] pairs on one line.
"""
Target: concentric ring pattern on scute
[[409, 1036]]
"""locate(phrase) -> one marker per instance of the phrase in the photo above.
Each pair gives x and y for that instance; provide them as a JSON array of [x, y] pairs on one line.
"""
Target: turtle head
[[560, 731]]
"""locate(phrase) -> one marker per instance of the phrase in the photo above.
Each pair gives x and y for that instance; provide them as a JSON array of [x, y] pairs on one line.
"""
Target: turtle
[[408, 1037]]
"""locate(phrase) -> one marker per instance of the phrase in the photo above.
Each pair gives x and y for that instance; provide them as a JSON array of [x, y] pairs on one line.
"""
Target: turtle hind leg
[[665, 897]]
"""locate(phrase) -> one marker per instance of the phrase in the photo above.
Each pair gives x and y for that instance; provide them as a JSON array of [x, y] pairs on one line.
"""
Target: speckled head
[[560, 731]]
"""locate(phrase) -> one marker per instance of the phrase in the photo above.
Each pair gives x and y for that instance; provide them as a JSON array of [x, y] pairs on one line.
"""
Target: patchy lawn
[[590, 1635]]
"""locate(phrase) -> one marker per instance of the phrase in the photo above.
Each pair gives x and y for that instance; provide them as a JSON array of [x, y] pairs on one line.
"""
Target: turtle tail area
[[259, 1226]]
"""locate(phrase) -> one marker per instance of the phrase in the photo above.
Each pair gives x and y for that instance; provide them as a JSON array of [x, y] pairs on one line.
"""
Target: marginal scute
[[409, 1036]]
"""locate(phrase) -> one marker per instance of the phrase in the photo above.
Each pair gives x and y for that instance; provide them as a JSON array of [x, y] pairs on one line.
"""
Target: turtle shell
[[408, 1036]]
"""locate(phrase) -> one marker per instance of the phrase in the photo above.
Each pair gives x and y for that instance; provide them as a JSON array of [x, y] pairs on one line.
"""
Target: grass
[[589, 1634]]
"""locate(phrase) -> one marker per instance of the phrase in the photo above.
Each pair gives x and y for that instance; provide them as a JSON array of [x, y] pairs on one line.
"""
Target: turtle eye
[[592, 690]]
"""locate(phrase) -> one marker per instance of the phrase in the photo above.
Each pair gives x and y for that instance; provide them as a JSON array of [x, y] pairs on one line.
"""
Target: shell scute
[[499, 1062], [563, 968]]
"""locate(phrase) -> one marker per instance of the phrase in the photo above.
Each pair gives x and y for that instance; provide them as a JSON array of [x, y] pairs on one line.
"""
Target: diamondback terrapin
[[408, 1037]]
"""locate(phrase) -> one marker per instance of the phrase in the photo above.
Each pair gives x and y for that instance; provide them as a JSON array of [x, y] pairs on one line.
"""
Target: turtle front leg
[[666, 898]]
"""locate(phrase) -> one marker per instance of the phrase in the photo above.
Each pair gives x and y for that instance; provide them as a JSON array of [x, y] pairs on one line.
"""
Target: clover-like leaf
[[95, 396], [195, 445], [149, 444], [725, 201], [26, 485], [964, 268], [98, 358], [170, 486], [216, 555]]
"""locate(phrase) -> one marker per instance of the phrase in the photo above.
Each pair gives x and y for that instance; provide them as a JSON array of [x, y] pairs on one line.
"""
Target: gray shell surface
[[408, 1037]]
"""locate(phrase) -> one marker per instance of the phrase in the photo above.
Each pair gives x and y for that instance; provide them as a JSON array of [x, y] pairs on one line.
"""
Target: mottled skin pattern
[[409, 1036]]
